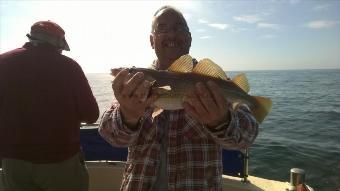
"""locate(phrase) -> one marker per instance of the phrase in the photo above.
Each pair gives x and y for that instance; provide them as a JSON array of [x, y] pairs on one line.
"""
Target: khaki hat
[[49, 32]]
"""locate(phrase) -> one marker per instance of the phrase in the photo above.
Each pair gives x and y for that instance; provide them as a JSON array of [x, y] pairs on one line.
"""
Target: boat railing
[[235, 163], [245, 165], [95, 148]]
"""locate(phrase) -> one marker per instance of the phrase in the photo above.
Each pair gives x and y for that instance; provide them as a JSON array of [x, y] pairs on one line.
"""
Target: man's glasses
[[165, 29]]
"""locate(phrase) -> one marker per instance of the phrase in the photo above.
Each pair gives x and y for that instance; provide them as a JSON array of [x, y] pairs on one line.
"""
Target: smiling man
[[179, 149], [170, 37]]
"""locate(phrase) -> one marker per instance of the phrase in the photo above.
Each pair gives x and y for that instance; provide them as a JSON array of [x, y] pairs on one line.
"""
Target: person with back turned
[[44, 96], [179, 149]]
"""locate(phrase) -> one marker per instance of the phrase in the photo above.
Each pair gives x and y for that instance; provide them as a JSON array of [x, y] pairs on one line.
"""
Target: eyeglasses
[[165, 29]]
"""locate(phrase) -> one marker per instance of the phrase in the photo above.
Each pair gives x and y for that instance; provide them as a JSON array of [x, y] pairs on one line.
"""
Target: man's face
[[170, 38]]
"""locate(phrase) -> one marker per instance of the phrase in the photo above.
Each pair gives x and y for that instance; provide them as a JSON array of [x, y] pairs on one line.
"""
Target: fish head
[[149, 74]]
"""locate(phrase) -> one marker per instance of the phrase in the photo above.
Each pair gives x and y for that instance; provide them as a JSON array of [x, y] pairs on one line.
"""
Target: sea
[[301, 131]]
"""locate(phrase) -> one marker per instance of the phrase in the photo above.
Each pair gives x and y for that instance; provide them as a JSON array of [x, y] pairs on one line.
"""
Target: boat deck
[[107, 176]]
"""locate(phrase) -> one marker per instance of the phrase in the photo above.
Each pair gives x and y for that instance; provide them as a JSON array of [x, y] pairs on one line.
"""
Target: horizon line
[[335, 68]]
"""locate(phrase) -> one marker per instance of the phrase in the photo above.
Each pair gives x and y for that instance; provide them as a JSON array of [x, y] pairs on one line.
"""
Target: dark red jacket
[[44, 96]]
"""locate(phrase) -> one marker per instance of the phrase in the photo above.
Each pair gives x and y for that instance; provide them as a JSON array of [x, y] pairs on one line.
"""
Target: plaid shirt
[[194, 153]]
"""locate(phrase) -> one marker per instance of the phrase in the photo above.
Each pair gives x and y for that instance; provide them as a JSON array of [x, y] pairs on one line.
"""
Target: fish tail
[[263, 107]]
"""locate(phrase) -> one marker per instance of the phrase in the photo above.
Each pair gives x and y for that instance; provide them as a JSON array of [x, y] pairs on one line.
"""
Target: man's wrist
[[133, 126], [131, 123], [220, 126]]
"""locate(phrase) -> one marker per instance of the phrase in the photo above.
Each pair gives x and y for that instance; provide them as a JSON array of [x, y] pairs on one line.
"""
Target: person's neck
[[163, 64], [42, 46]]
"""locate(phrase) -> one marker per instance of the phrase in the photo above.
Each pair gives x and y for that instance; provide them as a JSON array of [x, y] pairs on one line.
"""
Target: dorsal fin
[[207, 67], [156, 112], [183, 64], [241, 81]]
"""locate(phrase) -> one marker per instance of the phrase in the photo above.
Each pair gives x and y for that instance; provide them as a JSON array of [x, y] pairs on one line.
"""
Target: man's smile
[[171, 44]]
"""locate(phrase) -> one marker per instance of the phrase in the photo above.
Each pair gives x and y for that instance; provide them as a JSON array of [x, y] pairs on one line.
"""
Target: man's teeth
[[171, 44]]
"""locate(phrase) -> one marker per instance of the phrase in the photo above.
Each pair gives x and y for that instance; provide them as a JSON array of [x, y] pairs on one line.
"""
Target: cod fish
[[172, 84]]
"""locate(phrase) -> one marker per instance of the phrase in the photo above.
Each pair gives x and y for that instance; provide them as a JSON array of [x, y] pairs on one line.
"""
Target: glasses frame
[[179, 29]]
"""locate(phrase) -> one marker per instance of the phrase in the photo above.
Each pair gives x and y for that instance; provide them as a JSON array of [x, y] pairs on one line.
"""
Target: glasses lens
[[163, 29]]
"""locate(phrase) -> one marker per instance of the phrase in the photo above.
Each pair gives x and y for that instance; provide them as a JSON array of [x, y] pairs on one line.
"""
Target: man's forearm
[[239, 132], [114, 131]]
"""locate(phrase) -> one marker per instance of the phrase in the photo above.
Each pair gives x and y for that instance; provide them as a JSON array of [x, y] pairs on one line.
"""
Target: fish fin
[[263, 107], [156, 112], [235, 104], [207, 67], [242, 82], [167, 88], [182, 65], [161, 90]]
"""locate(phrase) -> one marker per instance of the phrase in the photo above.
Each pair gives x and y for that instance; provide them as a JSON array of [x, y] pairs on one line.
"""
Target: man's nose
[[172, 32]]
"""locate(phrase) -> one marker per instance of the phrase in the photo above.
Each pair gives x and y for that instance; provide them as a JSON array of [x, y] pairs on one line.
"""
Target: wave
[[328, 114]]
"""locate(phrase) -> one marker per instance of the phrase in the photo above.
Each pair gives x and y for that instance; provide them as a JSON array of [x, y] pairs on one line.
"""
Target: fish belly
[[169, 103]]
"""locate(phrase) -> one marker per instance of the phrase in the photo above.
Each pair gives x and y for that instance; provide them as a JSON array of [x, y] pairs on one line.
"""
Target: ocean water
[[302, 130]]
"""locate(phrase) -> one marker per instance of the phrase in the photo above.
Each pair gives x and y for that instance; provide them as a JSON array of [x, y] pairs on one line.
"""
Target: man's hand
[[207, 104], [131, 91]]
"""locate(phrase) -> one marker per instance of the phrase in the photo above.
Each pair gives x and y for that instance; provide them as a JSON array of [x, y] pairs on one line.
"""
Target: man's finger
[[206, 98], [118, 81], [150, 100], [217, 94], [132, 83], [142, 91], [191, 111], [195, 99]]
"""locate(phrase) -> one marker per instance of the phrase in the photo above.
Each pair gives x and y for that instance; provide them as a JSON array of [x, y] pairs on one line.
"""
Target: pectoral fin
[[156, 112], [161, 90]]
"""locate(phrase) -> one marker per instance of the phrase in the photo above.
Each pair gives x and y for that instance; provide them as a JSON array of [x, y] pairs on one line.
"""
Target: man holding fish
[[176, 118]]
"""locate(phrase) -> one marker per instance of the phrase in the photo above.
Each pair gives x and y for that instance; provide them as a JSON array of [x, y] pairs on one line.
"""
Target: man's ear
[[152, 43]]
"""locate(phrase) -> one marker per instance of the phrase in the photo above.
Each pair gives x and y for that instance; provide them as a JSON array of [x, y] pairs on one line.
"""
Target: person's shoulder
[[12, 53], [8, 58], [71, 63], [68, 59]]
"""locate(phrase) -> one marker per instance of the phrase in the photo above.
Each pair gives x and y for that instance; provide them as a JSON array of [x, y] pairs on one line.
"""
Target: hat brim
[[62, 45], [66, 47]]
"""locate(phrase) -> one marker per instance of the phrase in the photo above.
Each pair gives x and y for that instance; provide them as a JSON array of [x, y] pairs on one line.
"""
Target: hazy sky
[[237, 35]]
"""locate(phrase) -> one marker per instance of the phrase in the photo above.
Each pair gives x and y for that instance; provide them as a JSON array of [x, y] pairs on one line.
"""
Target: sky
[[237, 35]]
